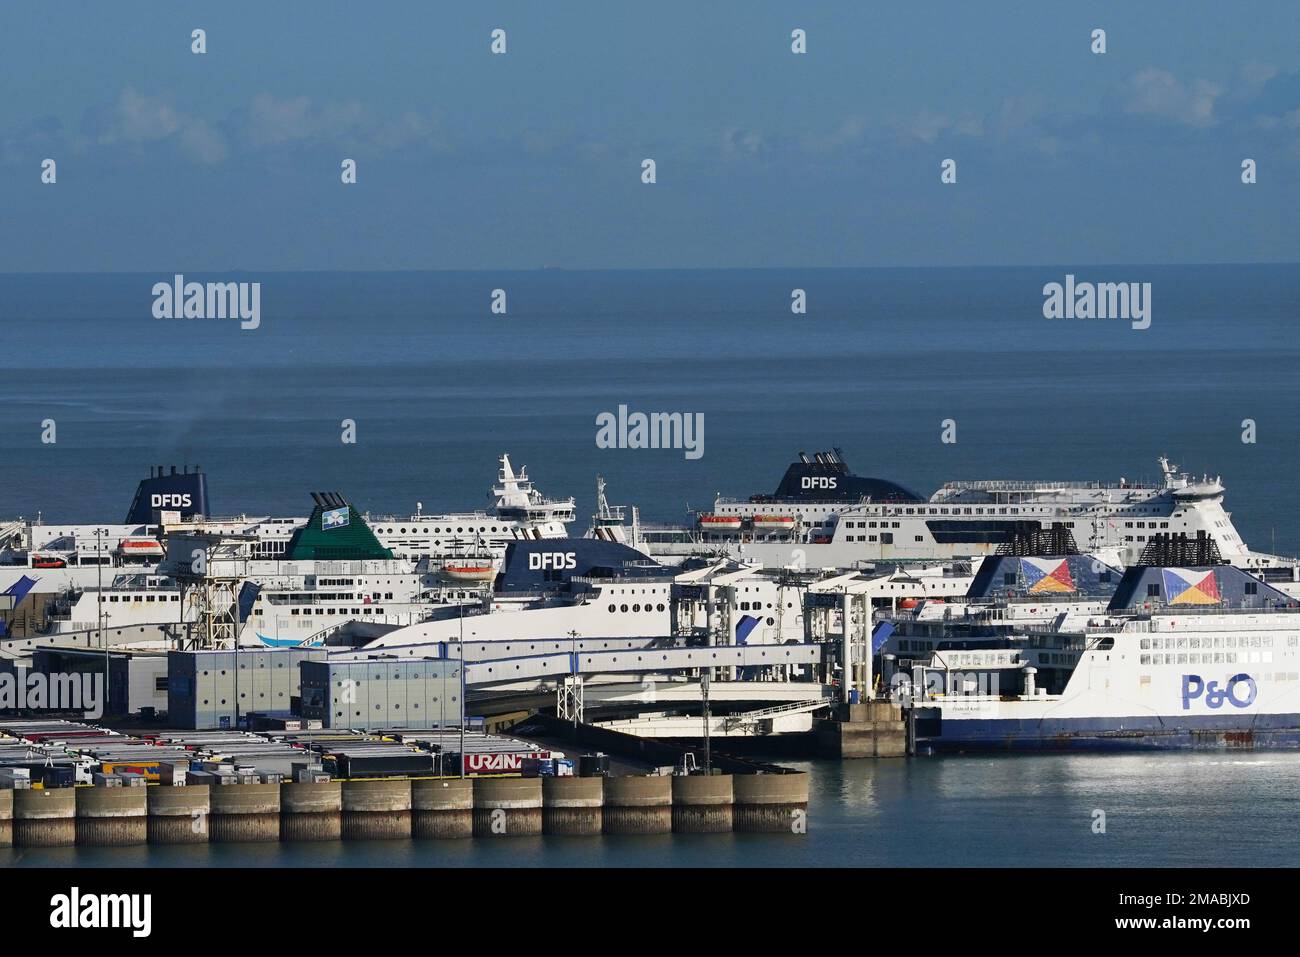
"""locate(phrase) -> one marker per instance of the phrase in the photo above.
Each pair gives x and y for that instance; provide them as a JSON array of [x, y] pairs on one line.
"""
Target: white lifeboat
[[141, 548], [472, 570], [720, 523], [773, 523]]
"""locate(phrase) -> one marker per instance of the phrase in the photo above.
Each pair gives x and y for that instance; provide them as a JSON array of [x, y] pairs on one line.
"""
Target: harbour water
[[977, 811]]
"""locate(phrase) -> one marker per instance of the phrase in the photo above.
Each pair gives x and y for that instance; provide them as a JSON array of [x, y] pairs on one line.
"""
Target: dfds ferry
[[1183, 657], [823, 515], [464, 546], [581, 587]]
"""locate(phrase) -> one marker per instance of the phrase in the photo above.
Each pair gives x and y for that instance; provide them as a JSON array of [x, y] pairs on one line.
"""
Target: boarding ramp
[[502, 668]]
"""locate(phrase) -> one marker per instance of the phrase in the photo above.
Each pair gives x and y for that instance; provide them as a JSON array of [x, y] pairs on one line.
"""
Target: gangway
[[748, 719], [555, 665]]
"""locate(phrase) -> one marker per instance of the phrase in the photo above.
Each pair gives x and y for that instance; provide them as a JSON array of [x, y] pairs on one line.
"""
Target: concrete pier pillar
[[377, 810], [311, 812], [6, 818], [442, 808], [572, 805], [179, 815], [45, 817], [112, 817], [244, 812], [702, 803], [507, 807], [770, 803], [638, 805], [872, 729]]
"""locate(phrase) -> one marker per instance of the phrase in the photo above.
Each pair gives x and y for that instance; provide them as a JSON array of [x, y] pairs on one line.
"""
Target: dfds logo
[[553, 560], [813, 481], [169, 500], [1195, 687]]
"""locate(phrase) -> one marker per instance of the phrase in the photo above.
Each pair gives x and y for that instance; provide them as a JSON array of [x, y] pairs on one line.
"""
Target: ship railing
[[423, 519], [1017, 485], [1211, 610]]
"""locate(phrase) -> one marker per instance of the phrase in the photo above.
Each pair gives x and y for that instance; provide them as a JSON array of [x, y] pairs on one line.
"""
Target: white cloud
[[1155, 92], [135, 119]]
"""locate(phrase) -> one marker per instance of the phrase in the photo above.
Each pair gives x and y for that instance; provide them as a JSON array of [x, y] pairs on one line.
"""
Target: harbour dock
[[178, 789]]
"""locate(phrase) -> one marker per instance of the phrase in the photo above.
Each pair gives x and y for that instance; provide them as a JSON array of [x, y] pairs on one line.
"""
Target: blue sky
[[230, 160]]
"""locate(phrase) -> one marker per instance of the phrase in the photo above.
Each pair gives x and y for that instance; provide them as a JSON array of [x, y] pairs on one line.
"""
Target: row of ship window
[[435, 531], [1209, 658], [648, 607], [295, 599], [112, 598], [368, 610], [1231, 641]]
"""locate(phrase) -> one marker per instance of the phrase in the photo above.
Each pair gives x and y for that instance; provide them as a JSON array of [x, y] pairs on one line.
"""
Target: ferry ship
[[462, 541], [584, 588], [823, 515], [70, 555], [1200, 656]]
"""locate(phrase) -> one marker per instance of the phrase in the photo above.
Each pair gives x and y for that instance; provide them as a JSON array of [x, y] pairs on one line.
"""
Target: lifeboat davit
[[773, 523], [720, 523], [471, 571], [141, 547]]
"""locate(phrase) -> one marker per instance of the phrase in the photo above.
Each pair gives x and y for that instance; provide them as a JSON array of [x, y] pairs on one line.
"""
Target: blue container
[[854, 696]]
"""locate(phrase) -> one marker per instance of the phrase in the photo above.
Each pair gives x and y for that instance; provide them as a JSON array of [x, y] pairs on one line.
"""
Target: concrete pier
[[378, 809], [770, 803], [401, 808], [572, 806], [112, 817], [638, 805], [311, 812], [244, 812], [873, 729], [6, 818], [45, 817], [507, 807], [178, 815], [702, 803], [442, 808]]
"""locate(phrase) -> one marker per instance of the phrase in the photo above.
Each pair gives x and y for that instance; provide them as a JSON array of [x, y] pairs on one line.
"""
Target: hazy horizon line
[[590, 269]]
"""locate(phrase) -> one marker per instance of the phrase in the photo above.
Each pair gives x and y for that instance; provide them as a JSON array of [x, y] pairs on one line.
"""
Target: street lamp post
[[573, 680], [99, 613]]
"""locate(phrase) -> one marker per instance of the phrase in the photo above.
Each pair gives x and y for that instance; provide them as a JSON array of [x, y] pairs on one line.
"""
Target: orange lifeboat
[[720, 523], [48, 561], [773, 523], [141, 548], [470, 571]]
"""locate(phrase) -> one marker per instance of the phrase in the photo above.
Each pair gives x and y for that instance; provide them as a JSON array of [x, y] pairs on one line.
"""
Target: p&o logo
[[1240, 692]]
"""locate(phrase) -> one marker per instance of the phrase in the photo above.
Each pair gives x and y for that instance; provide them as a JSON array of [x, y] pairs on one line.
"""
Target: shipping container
[[384, 765]]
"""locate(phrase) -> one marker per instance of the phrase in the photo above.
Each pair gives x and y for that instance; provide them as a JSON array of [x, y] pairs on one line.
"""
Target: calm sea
[[1001, 811]]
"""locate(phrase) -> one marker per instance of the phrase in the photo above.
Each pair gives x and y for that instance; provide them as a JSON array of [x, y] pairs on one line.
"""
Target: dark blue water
[[439, 386], [1159, 810]]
